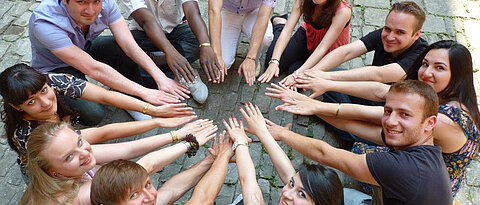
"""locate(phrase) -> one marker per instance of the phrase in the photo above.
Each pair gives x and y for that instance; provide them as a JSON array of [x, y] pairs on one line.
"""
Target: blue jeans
[[336, 97], [181, 37]]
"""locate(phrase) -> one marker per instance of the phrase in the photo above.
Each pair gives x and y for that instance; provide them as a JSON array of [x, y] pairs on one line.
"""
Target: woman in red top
[[326, 26]]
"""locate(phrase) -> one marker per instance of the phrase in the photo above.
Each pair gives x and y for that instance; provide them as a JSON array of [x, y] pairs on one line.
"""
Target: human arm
[[347, 162], [208, 187], [176, 186], [127, 43], [339, 20], [370, 90], [176, 62], [105, 153], [98, 94], [155, 161], [297, 103], [392, 72], [118, 130], [208, 59], [273, 68], [248, 66], [215, 27]]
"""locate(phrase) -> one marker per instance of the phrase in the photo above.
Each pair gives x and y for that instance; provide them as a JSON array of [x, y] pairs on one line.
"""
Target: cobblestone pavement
[[450, 19]]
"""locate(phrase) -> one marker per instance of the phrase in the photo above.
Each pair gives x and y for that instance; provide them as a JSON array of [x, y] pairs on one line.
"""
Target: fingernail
[[239, 108]]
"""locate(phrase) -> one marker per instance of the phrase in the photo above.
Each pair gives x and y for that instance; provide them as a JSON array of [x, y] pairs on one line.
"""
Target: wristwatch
[[237, 143]]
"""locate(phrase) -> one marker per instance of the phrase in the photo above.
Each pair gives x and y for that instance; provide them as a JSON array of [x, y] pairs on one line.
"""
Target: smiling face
[[83, 12], [399, 34], [69, 154], [403, 122], [42, 105], [435, 69], [145, 195], [294, 193]]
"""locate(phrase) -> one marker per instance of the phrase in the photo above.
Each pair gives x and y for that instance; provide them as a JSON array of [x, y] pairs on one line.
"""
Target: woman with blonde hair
[[61, 163]]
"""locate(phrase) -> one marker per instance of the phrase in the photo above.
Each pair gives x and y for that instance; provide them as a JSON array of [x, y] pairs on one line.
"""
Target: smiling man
[[64, 36], [396, 46], [414, 172]]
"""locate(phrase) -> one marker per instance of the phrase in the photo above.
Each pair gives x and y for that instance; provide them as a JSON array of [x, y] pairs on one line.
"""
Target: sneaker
[[198, 89], [238, 200], [138, 116]]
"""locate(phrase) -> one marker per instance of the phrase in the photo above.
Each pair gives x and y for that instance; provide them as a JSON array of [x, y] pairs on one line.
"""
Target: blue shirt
[[51, 27]]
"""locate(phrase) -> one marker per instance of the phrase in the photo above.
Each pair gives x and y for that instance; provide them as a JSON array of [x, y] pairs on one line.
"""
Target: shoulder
[[49, 12]]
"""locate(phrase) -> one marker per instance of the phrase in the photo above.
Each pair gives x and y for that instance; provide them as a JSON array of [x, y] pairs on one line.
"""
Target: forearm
[[259, 29], [215, 25], [117, 130], [192, 12], [143, 60], [286, 33], [365, 113], [283, 165], [157, 36], [247, 177], [358, 74], [178, 185], [365, 130], [369, 90], [100, 95], [105, 153], [208, 187], [315, 149], [155, 161], [332, 60]]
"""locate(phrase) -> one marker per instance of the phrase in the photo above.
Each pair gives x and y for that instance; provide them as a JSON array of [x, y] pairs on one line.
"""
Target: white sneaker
[[198, 89], [138, 116]]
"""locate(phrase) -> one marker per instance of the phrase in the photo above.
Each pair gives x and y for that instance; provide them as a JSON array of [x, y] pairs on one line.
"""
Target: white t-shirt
[[168, 13]]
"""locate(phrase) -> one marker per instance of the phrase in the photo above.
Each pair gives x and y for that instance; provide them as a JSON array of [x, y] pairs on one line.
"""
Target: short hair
[[410, 7], [430, 98], [115, 180]]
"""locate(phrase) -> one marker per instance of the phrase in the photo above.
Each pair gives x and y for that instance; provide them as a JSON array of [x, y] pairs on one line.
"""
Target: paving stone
[[3, 47], [229, 101], [8, 60], [6, 22], [22, 47], [368, 59], [473, 173], [14, 30], [436, 7], [357, 16], [275, 194], [33, 6], [265, 187], [450, 26], [169, 171], [373, 3], [434, 24], [226, 194], [375, 17], [19, 8], [23, 20], [367, 29], [460, 37], [476, 58], [280, 7], [457, 8], [232, 174], [6, 192], [6, 5], [472, 32], [473, 9]]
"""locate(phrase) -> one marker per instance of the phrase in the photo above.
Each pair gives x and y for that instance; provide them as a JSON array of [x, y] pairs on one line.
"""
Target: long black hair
[[460, 88], [321, 184], [326, 15], [19, 82]]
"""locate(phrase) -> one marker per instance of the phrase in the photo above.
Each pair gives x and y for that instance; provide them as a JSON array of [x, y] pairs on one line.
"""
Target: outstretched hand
[[173, 121], [309, 81], [197, 127], [276, 130], [171, 110], [248, 67], [254, 118], [236, 130], [281, 92], [221, 146]]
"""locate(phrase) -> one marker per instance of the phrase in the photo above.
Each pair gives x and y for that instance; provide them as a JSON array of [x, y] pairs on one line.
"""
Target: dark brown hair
[[430, 98], [321, 184], [410, 7], [114, 181], [326, 14]]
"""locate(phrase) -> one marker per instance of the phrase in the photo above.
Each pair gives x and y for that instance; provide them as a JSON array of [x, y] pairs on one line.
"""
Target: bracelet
[[194, 146], [187, 144], [207, 44], [251, 58], [145, 109], [273, 60], [338, 109], [174, 135]]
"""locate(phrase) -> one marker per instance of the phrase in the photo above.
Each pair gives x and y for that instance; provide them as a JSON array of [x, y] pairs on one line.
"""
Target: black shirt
[[373, 42], [416, 175]]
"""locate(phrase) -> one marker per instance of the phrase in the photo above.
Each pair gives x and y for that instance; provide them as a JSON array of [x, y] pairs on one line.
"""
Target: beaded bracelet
[[194, 146]]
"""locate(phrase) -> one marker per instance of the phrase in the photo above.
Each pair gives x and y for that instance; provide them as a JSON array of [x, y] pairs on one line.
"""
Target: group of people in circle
[[412, 115]]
